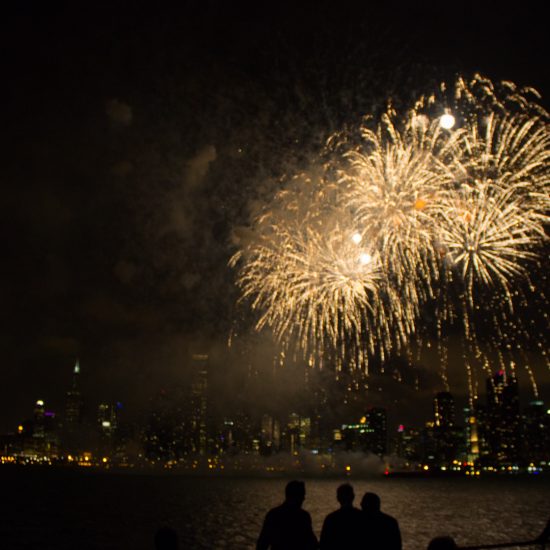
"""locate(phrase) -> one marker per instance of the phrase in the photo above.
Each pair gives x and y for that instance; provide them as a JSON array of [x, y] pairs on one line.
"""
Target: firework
[[317, 281], [441, 204], [493, 218], [392, 181]]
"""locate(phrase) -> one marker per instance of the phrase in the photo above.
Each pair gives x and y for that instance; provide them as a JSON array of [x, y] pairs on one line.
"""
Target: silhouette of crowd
[[288, 526]]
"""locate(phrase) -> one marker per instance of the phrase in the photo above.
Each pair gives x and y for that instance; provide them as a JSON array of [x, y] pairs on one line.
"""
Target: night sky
[[135, 141]]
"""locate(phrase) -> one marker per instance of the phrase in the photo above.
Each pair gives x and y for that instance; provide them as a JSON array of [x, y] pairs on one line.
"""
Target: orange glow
[[420, 204]]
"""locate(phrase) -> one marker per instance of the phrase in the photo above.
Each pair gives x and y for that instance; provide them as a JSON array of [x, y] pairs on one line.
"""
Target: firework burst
[[450, 200], [392, 182], [493, 217], [317, 281]]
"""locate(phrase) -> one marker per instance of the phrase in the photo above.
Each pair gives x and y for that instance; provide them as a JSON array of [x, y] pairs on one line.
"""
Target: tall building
[[368, 435], [446, 436], [503, 418], [73, 403], [471, 440], [199, 401], [270, 435], [73, 436], [536, 434], [107, 425], [39, 420], [377, 420], [408, 444], [444, 410], [297, 432]]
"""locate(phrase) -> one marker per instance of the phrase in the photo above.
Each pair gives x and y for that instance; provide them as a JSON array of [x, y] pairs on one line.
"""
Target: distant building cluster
[[181, 431], [493, 437]]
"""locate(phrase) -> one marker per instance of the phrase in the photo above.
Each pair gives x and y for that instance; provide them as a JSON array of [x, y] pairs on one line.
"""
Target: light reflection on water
[[59, 509]]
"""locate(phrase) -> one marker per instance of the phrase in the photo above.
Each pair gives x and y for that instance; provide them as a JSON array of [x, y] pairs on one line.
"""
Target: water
[[93, 510]]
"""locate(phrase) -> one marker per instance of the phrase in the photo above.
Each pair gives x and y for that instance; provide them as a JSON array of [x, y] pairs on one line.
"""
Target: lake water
[[62, 509]]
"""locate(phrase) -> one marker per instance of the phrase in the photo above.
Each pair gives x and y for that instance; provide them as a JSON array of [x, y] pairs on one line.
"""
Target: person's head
[[442, 543], [345, 494], [166, 539], [295, 492], [370, 502]]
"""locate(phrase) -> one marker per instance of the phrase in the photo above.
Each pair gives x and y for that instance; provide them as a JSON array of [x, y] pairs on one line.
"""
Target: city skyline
[[181, 428]]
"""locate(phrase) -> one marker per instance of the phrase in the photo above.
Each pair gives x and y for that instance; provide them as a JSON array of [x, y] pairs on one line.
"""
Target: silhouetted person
[[342, 528], [166, 539], [288, 527], [380, 530], [442, 543], [545, 535]]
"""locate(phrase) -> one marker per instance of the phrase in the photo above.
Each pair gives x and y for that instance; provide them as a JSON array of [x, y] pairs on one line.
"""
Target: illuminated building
[[72, 423], [429, 444], [503, 419], [39, 428], [73, 403], [377, 420], [199, 402], [408, 444], [237, 435], [297, 433], [368, 435], [270, 435], [444, 410], [447, 437], [107, 425], [471, 439], [107, 418], [536, 434], [166, 435]]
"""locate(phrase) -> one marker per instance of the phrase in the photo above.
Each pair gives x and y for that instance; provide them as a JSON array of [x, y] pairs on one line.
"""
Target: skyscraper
[[536, 433], [73, 404], [446, 435], [368, 435], [377, 420], [444, 410], [199, 401], [503, 418], [72, 425]]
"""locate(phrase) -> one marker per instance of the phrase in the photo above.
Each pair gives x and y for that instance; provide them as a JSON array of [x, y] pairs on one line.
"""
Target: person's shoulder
[[332, 516], [388, 518], [277, 510]]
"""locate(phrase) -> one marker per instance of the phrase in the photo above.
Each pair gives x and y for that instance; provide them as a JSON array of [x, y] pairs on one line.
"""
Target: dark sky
[[135, 138]]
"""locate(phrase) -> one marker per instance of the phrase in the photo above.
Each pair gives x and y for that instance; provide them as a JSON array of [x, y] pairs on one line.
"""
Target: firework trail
[[492, 219]]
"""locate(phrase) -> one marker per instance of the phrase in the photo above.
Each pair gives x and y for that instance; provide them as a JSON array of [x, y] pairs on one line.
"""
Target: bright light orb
[[356, 238], [365, 258], [447, 121]]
